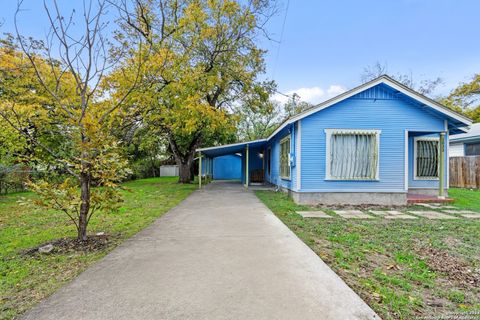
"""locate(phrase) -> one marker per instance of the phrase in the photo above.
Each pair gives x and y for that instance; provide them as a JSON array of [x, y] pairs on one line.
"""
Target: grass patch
[[468, 199], [27, 279], [403, 269]]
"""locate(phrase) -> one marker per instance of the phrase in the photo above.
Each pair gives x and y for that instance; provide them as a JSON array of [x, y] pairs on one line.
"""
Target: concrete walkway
[[221, 254]]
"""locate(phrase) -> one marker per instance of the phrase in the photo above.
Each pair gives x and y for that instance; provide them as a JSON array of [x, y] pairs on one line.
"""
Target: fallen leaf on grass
[[393, 267]]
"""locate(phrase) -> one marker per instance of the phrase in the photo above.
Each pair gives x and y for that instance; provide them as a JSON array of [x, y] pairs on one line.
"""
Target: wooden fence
[[465, 172]]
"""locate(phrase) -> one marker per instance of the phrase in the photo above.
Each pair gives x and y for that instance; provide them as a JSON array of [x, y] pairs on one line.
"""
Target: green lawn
[[27, 279], [403, 269]]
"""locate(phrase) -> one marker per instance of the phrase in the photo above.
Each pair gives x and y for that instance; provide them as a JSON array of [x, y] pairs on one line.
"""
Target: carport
[[251, 153]]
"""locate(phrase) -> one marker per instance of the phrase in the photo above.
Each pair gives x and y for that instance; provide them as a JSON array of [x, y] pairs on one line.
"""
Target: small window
[[472, 149], [352, 154], [426, 158], [285, 158]]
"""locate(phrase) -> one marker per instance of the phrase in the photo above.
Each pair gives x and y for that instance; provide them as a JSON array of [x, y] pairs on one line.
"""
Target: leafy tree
[[257, 123], [146, 152], [293, 106], [193, 77], [466, 98], [63, 109], [258, 115], [17, 86]]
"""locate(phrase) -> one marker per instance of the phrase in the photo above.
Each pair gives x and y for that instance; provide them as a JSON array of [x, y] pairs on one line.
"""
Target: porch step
[[424, 198]]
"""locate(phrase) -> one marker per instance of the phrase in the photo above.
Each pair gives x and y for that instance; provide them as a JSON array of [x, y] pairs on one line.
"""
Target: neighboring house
[[466, 144], [372, 144]]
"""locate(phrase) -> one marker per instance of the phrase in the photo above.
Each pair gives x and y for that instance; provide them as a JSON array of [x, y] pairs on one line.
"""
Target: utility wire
[[281, 39], [283, 94]]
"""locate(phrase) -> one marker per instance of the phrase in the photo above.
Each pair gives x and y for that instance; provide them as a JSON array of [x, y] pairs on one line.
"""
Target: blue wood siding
[[227, 167], [379, 108], [274, 144], [255, 161]]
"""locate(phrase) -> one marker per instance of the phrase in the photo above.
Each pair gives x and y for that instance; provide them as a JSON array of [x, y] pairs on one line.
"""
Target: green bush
[[13, 178]]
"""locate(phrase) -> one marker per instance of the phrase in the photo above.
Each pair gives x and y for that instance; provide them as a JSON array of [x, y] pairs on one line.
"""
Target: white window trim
[[328, 135], [415, 139], [280, 158]]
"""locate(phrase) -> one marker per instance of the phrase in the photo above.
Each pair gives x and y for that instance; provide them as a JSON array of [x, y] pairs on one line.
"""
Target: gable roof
[[463, 121]]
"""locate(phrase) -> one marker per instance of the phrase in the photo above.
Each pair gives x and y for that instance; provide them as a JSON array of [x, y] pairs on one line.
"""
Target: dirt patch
[[452, 241], [454, 268], [67, 245]]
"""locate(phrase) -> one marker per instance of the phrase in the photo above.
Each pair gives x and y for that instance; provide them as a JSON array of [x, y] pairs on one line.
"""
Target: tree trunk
[[185, 168], [184, 160], [84, 206], [192, 172], [184, 172]]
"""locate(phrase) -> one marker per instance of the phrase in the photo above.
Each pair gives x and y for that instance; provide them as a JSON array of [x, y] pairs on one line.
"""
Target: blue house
[[374, 144]]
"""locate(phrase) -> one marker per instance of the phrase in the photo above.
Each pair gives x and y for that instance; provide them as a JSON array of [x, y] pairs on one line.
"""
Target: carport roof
[[231, 148]]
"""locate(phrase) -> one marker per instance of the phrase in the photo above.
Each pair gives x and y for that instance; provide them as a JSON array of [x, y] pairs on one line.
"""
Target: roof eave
[[231, 145]]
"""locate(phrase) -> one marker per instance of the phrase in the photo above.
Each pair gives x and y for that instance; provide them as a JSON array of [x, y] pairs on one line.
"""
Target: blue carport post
[[246, 167], [199, 170]]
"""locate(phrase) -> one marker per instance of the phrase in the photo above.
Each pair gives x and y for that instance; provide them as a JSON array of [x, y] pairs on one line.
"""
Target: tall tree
[[13, 87], [193, 78], [259, 118], [294, 106], [466, 98], [73, 109], [256, 123]]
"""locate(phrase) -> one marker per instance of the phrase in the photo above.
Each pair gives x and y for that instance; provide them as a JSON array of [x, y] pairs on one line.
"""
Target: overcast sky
[[326, 44]]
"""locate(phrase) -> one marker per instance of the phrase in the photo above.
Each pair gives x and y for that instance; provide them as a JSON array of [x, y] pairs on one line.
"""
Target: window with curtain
[[352, 154], [285, 158], [426, 158]]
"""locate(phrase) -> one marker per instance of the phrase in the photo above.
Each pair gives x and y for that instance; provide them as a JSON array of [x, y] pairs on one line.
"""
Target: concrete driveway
[[220, 254]]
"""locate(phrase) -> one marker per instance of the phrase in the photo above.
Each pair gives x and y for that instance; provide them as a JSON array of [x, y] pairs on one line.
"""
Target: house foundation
[[349, 198]]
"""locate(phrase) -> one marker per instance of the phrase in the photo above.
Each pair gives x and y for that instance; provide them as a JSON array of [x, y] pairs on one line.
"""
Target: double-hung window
[[352, 154], [426, 158], [285, 158]]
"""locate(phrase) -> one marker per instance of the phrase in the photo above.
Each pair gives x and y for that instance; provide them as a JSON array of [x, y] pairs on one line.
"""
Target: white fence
[[169, 171]]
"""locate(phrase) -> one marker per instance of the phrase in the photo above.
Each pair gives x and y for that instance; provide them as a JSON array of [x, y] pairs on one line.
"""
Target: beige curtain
[[353, 156]]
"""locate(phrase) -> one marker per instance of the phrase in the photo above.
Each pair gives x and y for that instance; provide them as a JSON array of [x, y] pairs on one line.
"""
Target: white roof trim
[[383, 79], [231, 145]]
